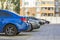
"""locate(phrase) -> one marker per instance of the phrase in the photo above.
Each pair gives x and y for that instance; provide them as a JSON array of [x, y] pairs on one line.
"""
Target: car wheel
[[30, 28], [10, 30], [47, 22], [18, 33]]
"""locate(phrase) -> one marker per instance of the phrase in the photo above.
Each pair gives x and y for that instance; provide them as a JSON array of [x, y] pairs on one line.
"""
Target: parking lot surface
[[46, 32]]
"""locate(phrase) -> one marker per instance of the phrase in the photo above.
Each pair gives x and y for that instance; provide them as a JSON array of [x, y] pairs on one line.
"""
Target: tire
[[30, 28], [47, 22], [10, 30], [17, 33]]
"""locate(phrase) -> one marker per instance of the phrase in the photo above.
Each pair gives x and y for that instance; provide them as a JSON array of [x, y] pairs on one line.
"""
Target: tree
[[17, 3], [2, 2]]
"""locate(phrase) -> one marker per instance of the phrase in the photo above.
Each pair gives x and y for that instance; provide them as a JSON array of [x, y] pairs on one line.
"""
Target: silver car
[[35, 24]]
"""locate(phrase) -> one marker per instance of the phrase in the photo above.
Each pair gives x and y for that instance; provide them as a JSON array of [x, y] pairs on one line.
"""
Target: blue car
[[11, 23]]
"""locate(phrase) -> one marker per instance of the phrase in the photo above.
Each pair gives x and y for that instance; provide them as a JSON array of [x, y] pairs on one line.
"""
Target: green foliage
[[15, 2]]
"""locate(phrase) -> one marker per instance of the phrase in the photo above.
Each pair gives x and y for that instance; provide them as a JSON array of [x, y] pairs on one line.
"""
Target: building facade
[[27, 7], [37, 7], [57, 7]]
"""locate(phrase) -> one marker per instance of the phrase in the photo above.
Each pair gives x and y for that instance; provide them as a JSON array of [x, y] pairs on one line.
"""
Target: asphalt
[[46, 32]]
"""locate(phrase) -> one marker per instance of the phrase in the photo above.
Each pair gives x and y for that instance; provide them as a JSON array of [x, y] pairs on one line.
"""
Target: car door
[[1, 21], [3, 16]]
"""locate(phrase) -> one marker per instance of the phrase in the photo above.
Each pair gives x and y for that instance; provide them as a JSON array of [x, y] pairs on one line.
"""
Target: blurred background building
[[57, 7], [37, 7], [27, 7]]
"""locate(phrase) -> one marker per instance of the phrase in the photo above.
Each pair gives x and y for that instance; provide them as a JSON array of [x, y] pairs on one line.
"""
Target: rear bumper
[[35, 26], [23, 27], [47, 22], [41, 23]]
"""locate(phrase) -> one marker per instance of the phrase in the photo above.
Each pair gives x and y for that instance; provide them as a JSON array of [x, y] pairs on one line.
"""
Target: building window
[[57, 14], [47, 2], [26, 3], [50, 14], [43, 2], [43, 8], [50, 8], [57, 3], [44, 14], [50, 2], [38, 3], [38, 9]]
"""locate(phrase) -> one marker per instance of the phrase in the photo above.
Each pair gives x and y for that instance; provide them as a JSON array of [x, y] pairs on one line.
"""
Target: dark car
[[46, 22], [41, 22], [34, 23]]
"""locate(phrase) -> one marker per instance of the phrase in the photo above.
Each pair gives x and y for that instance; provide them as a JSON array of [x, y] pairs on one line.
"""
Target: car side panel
[[35, 24], [19, 24]]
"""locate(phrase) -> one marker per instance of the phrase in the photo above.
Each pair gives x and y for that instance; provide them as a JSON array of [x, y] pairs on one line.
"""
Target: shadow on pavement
[[36, 30], [24, 35], [17, 35]]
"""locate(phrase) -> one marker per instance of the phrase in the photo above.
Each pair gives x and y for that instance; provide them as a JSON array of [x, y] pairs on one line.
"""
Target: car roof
[[10, 12]]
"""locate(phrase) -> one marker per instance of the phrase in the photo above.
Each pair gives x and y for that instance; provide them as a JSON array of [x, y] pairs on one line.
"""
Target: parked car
[[30, 27], [46, 22], [34, 23], [41, 22], [11, 23]]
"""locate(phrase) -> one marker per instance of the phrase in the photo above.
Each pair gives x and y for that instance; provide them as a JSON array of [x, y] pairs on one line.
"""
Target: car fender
[[18, 26]]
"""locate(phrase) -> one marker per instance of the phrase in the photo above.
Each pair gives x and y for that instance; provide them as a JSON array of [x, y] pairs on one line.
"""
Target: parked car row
[[35, 22], [12, 24]]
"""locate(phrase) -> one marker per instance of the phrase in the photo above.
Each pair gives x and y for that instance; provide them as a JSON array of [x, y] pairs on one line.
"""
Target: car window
[[33, 18], [5, 14]]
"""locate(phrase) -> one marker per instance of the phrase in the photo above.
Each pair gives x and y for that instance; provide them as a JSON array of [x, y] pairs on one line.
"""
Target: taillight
[[24, 19]]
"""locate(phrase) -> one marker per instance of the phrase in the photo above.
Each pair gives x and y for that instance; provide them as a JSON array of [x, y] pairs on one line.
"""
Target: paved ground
[[46, 32]]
